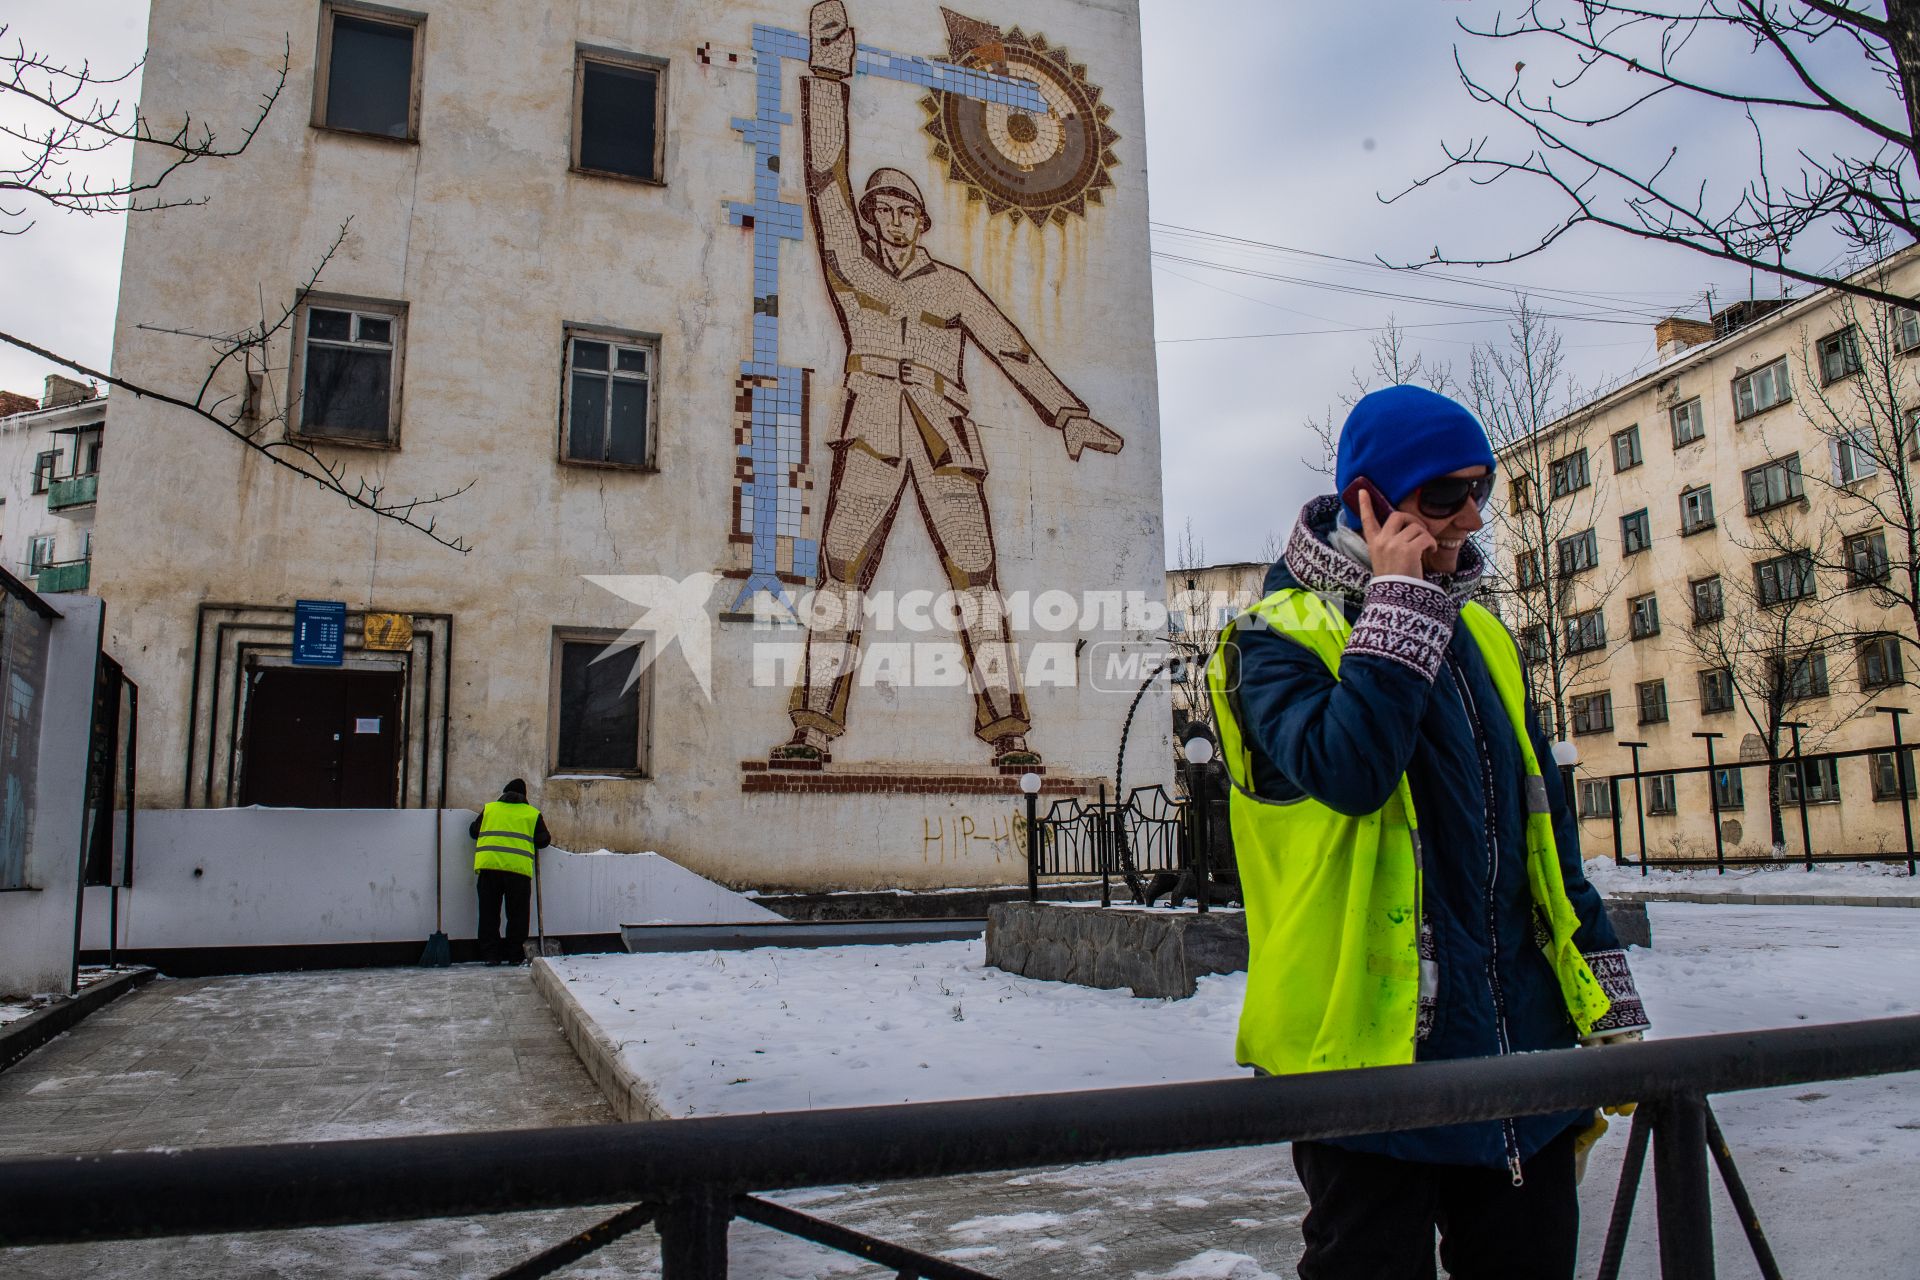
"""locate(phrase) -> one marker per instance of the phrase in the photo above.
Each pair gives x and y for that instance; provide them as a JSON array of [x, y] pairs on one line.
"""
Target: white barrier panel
[[288, 877]]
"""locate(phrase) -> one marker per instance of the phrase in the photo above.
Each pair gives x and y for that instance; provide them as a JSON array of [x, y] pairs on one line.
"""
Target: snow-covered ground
[[1788, 879], [775, 1030]]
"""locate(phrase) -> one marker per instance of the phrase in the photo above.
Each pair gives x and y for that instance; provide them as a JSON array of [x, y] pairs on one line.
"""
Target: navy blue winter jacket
[[1410, 699]]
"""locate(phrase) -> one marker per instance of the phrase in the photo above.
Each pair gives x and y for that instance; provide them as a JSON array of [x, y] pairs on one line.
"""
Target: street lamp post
[[1030, 787], [1199, 752]]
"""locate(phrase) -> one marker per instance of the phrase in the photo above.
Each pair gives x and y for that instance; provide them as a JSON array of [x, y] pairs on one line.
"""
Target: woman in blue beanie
[[1416, 701]]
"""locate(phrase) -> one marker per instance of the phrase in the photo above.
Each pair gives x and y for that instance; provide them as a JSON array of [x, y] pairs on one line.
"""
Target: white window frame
[[41, 552], [643, 690], [1884, 773], [1640, 699], [1700, 517], [617, 340], [1877, 566], [1689, 422], [1824, 780], [1643, 616], [323, 63], [1574, 470], [1792, 485], [1591, 712], [1853, 460], [1719, 600], [1762, 389], [1721, 677], [1887, 649], [1629, 437], [1906, 334], [1596, 798], [1586, 632], [359, 308], [1838, 355], [1777, 568], [1577, 553], [1729, 790], [1636, 532], [1661, 795]]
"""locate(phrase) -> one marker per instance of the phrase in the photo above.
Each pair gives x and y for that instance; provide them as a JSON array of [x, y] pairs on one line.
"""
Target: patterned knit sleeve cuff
[[1404, 621], [1616, 981]]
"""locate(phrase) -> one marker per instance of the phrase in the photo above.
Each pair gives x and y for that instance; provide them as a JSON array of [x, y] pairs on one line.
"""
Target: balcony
[[73, 491], [71, 575]]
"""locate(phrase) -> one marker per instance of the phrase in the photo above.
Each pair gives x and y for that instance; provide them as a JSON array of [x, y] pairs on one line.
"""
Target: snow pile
[[1826, 880]]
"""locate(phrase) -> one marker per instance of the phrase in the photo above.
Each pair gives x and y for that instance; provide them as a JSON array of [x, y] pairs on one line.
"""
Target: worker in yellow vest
[[506, 835], [1410, 870]]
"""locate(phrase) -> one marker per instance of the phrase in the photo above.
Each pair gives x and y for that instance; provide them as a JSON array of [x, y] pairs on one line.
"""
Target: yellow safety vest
[[1334, 902], [506, 838]]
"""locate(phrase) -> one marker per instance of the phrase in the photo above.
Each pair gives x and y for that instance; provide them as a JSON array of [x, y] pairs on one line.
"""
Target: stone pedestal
[[1154, 953]]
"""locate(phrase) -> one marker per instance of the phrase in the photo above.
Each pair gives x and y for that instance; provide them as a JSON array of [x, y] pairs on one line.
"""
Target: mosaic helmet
[[895, 183]]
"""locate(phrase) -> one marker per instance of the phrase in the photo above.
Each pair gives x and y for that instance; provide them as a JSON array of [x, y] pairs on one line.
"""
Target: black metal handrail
[[692, 1172]]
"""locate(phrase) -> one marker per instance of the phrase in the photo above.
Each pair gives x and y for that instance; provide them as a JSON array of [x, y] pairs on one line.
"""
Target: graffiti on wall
[[1034, 140]]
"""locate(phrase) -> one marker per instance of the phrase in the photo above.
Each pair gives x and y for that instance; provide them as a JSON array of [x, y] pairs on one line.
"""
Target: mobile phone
[[1361, 485]]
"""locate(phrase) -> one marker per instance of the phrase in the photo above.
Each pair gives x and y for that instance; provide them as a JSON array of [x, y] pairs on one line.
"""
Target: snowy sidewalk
[[1831, 884]]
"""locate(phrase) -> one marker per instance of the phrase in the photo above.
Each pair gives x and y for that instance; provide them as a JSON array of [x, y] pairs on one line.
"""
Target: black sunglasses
[[1443, 497]]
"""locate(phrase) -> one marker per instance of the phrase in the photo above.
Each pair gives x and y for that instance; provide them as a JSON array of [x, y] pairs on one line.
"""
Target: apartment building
[[50, 455], [1201, 601], [1701, 551], [612, 277]]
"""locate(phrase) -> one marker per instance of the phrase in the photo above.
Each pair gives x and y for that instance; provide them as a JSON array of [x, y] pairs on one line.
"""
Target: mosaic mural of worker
[[907, 318]]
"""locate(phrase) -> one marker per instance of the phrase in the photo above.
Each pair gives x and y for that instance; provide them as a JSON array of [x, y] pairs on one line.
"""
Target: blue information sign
[[319, 633]]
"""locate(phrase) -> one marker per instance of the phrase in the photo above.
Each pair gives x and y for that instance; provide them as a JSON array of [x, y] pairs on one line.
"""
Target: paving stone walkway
[[383, 1053]]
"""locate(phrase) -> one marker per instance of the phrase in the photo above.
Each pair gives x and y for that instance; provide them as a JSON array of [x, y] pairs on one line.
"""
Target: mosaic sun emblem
[[1040, 167]]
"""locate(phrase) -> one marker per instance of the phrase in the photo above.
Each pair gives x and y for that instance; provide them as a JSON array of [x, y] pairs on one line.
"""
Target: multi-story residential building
[[50, 455], [1200, 603], [1725, 528], [679, 306]]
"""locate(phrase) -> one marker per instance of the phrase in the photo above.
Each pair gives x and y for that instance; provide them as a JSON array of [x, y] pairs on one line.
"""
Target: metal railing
[[691, 1178], [1147, 833], [1725, 777]]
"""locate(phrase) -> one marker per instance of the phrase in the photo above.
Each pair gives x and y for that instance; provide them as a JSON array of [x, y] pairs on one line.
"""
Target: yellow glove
[[1584, 1140]]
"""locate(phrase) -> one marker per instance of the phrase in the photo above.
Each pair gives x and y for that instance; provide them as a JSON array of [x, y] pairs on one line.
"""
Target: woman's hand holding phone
[[1398, 545]]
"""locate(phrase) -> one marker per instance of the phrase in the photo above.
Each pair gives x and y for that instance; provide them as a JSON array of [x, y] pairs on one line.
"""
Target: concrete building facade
[[678, 301], [1720, 577], [50, 456]]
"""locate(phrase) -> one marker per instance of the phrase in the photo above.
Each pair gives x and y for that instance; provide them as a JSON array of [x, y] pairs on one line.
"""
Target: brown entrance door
[[322, 739]]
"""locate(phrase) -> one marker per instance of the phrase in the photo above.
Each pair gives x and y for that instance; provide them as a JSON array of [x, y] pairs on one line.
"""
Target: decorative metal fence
[[691, 1178], [1150, 834], [1735, 789]]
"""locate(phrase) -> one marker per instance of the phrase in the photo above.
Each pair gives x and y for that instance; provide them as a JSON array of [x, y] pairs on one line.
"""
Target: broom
[[438, 953], [548, 946]]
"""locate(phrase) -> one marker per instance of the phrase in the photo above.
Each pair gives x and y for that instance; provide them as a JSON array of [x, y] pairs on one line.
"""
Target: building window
[[1643, 616], [350, 361], [610, 401], [1839, 355], [599, 717], [1636, 533], [1689, 424], [1708, 603], [1784, 578], [1800, 677], [1578, 553], [1729, 790], [1652, 695], [1596, 799], [1884, 774], [1907, 330], [368, 71], [1569, 474], [1853, 457], [1823, 780], [1586, 632], [1526, 570], [618, 114], [1533, 643], [1716, 691], [1592, 713], [39, 554], [1762, 389], [1696, 509], [1773, 484], [1626, 449], [1879, 661], [1867, 561], [1660, 793], [1520, 494], [43, 469]]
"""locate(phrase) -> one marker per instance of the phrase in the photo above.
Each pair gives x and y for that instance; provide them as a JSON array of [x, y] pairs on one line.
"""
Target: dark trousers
[[1373, 1217], [516, 891]]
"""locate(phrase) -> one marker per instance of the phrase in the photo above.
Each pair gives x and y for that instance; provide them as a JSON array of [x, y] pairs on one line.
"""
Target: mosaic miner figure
[[907, 318]]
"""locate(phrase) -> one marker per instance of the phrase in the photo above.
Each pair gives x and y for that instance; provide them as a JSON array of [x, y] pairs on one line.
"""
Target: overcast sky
[[1269, 120]]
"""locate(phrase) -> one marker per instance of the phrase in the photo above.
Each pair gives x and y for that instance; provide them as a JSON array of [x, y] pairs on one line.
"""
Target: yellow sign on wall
[[389, 631]]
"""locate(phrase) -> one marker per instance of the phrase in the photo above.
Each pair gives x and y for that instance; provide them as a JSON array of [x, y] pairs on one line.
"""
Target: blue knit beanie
[[1402, 437]]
